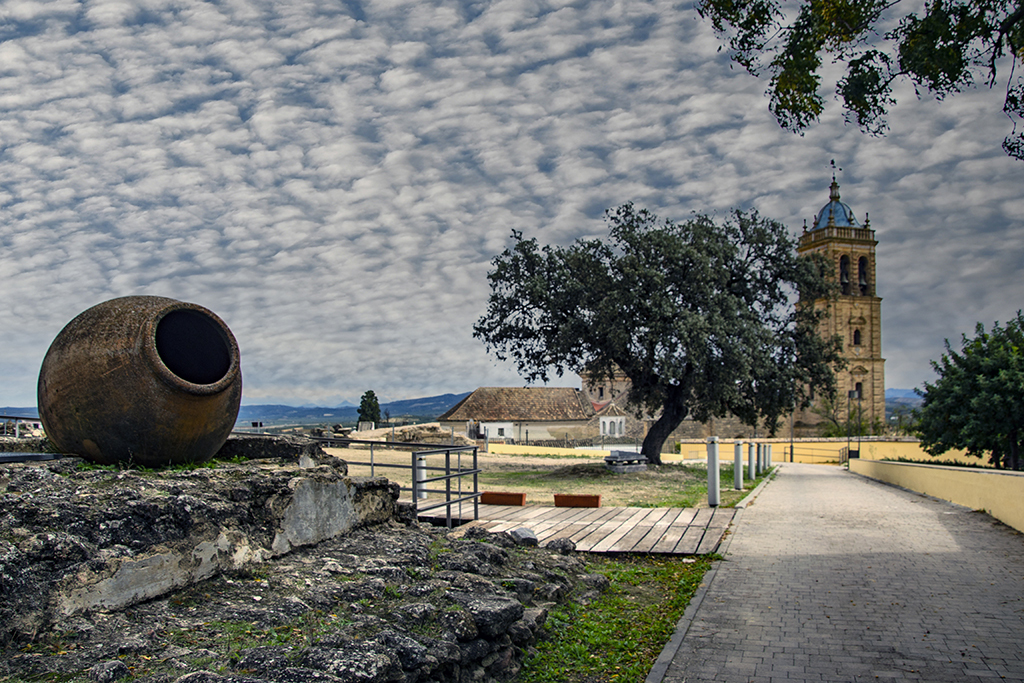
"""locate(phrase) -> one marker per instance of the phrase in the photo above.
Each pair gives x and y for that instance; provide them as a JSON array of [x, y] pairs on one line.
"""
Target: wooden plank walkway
[[674, 531]]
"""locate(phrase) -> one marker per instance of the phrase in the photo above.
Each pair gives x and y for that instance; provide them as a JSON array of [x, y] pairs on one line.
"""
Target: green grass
[[229, 638], [86, 466], [669, 485], [618, 637]]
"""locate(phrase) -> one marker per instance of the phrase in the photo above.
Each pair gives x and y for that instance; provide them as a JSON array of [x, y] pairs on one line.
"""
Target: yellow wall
[[826, 451], [892, 450], [997, 492], [508, 449], [817, 451]]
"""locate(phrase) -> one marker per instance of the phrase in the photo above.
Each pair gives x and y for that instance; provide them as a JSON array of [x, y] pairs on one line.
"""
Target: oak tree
[[699, 315], [977, 403], [943, 49]]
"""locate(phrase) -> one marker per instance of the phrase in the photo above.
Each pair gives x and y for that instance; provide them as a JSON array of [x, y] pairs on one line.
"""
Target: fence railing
[[846, 453], [9, 429], [806, 454], [419, 467]]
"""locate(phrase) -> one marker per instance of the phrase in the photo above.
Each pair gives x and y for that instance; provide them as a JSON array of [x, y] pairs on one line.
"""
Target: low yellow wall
[[509, 449], [818, 451], [827, 451], [997, 492], [813, 452], [893, 450]]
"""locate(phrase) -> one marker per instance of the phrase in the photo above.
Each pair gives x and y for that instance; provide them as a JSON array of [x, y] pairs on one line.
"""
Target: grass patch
[[668, 485], [619, 636], [229, 638]]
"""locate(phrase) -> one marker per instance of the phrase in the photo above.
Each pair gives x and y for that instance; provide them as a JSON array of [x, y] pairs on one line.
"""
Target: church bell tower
[[855, 315]]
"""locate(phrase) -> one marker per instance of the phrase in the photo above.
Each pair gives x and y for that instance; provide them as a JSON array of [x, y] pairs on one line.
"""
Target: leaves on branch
[[940, 50]]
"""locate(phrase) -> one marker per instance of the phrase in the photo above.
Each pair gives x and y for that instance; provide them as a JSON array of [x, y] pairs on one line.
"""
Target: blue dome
[[835, 212]]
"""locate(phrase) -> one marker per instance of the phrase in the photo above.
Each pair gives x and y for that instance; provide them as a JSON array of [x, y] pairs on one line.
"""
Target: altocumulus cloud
[[333, 178]]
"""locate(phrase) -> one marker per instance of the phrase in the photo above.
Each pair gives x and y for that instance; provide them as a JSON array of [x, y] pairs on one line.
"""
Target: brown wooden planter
[[577, 500], [502, 498]]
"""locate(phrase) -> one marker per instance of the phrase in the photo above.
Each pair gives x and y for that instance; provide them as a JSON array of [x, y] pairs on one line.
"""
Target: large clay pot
[[141, 380]]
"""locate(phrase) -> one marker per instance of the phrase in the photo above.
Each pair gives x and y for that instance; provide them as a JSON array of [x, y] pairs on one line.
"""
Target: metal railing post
[[448, 487], [476, 489], [415, 481]]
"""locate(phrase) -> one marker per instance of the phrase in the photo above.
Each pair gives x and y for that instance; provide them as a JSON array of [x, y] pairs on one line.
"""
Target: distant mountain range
[[420, 409], [19, 412], [425, 409], [906, 397]]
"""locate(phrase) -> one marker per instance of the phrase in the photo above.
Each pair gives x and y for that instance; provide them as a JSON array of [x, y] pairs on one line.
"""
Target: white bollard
[[768, 457], [737, 466], [420, 473], [751, 472], [713, 484], [760, 459]]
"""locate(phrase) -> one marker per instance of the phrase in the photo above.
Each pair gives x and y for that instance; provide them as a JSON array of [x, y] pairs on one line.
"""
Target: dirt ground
[[540, 477]]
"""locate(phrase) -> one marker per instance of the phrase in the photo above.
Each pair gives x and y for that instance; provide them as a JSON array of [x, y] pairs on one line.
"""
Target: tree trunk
[[672, 413]]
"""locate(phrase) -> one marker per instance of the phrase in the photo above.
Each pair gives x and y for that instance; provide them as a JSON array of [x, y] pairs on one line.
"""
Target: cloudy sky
[[333, 177]]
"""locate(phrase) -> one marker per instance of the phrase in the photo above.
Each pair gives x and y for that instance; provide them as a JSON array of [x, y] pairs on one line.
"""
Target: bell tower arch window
[[862, 275], [844, 274]]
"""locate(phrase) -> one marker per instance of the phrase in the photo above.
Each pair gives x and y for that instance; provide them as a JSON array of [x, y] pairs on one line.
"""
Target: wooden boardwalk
[[675, 531]]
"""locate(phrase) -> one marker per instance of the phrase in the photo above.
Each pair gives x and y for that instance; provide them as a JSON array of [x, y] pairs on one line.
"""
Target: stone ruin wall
[[80, 546]]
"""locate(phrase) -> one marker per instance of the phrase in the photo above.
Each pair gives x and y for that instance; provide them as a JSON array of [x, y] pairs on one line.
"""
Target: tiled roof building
[[545, 412], [539, 404]]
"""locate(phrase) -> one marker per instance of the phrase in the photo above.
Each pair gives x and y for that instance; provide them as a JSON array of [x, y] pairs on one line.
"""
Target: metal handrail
[[18, 419], [418, 482]]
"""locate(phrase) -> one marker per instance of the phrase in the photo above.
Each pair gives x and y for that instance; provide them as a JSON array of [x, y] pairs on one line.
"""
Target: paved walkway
[[832, 577]]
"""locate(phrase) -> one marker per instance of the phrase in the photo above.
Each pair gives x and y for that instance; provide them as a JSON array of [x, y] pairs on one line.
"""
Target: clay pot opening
[[193, 346]]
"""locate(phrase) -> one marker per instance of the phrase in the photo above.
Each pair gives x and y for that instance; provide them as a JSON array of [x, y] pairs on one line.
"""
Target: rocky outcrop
[[29, 444], [267, 447], [388, 603], [280, 570], [76, 540]]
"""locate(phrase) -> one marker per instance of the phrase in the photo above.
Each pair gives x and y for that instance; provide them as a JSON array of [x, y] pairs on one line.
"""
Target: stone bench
[[622, 462]]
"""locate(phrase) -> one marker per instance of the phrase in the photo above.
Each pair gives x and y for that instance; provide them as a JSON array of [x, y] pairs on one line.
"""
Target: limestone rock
[[492, 615], [561, 545], [524, 536], [72, 541], [378, 602], [108, 672]]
